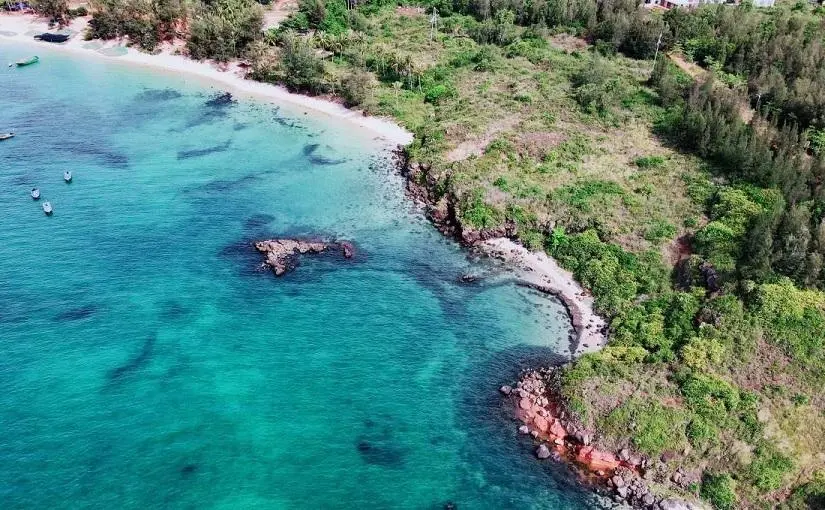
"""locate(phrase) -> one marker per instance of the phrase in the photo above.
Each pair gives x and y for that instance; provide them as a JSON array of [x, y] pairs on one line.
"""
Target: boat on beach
[[67, 176], [35, 193], [52, 38], [26, 61], [47, 208], [6, 136]]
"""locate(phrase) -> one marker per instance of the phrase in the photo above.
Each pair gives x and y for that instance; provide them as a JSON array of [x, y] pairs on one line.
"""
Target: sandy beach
[[22, 27], [544, 273]]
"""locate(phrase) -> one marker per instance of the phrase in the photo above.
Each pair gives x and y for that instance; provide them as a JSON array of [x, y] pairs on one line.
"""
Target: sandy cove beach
[[544, 273], [22, 27]]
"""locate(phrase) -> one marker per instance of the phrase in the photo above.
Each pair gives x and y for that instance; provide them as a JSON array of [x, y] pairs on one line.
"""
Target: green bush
[[720, 490], [357, 87], [437, 92], [583, 193], [479, 214], [660, 231], [656, 428], [650, 162], [224, 29], [768, 469], [301, 68]]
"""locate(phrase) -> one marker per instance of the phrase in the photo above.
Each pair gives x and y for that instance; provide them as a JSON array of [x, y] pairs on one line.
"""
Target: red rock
[[525, 404], [541, 423], [557, 429]]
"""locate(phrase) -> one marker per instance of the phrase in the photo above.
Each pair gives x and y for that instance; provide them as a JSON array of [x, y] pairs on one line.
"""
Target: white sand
[[541, 271], [20, 28]]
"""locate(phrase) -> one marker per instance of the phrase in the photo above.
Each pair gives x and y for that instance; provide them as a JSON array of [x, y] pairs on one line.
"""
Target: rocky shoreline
[[625, 477], [282, 254], [535, 270]]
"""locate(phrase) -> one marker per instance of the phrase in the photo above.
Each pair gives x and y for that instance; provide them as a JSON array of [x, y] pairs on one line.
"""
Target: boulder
[[524, 429], [542, 452], [505, 389], [541, 423], [525, 404], [677, 504], [621, 492], [557, 429], [617, 480]]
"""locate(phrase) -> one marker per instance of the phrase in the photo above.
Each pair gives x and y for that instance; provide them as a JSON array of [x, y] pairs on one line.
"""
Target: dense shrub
[[720, 490], [224, 29], [301, 69]]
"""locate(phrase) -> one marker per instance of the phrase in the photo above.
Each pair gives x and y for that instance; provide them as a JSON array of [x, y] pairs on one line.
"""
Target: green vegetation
[[720, 490], [692, 208]]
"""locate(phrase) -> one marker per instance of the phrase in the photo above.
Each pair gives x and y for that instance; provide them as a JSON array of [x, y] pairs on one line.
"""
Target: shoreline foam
[[22, 25]]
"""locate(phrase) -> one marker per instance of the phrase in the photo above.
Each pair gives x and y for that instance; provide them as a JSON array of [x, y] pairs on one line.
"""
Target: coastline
[[19, 28], [542, 272], [534, 269]]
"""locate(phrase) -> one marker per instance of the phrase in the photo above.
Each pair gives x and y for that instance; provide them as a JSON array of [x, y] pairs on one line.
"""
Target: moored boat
[[6, 136], [27, 61], [47, 208], [35, 193], [67, 176]]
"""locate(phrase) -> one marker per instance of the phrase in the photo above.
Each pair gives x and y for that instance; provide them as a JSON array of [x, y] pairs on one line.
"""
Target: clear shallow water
[[146, 363]]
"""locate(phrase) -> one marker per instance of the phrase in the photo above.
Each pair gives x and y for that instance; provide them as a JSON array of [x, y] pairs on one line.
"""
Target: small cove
[[147, 363]]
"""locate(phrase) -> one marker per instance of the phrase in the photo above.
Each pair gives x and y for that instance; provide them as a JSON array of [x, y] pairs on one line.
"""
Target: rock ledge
[[282, 254]]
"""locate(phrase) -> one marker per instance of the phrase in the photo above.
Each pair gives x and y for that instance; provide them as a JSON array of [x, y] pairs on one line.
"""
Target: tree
[[53, 9], [357, 87], [224, 29], [301, 68], [792, 238]]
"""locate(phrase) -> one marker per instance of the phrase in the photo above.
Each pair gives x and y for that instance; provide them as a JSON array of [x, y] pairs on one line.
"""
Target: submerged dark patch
[[76, 314], [311, 148], [195, 153], [220, 100], [258, 221], [109, 158], [189, 470], [173, 310], [137, 362], [381, 454], [316, 159], [158, 95], [222, 185]]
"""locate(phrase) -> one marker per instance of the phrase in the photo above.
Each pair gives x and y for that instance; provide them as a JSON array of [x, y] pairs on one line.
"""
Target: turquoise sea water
[[145, 362]]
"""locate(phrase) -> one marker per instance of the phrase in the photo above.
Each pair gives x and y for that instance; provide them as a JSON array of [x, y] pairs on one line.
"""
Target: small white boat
[[47, 208], [6, 136], [35, 193], [67, 176]]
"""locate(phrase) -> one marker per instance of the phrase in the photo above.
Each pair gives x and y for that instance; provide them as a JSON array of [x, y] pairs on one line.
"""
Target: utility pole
[[656, 54]]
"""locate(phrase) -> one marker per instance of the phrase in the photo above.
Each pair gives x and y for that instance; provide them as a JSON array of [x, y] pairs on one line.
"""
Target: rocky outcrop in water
[[282, 254]]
